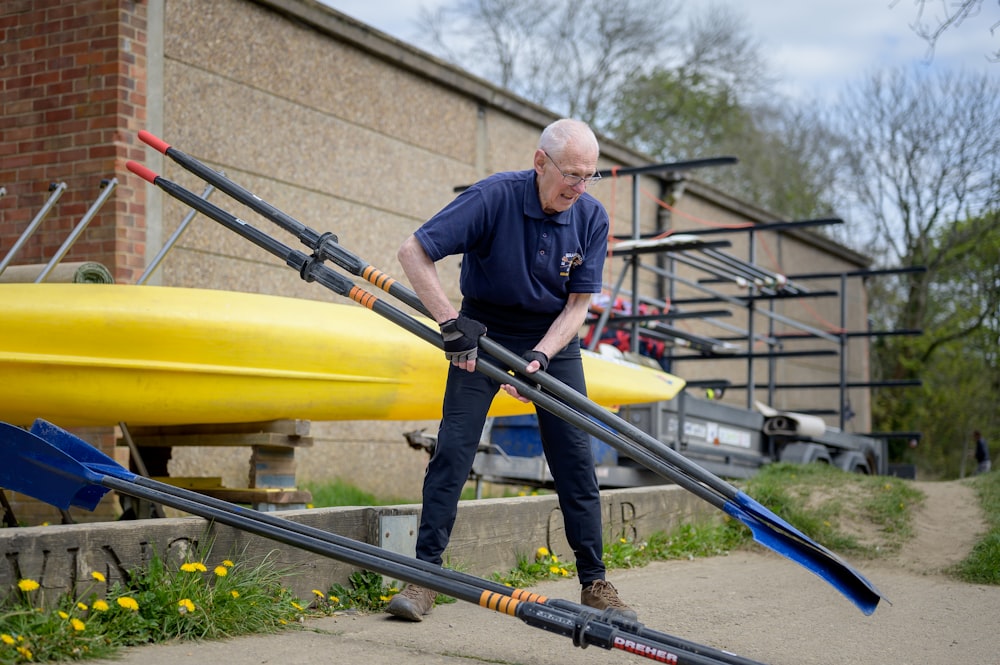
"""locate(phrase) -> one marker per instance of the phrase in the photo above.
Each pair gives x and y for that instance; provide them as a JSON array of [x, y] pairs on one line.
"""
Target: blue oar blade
[[80, 450], [34, 468], [778, 535]]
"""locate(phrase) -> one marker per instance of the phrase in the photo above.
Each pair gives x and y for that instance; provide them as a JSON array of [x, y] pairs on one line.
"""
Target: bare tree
[[568, 55], [922, 155], [929, 25]]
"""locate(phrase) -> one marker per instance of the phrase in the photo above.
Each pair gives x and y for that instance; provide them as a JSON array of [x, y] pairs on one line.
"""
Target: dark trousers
[[567, 450]]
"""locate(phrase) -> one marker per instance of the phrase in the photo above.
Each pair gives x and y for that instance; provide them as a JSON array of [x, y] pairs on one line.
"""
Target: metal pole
[[172, 240], [108, 187], [843, 350], [57, 190]]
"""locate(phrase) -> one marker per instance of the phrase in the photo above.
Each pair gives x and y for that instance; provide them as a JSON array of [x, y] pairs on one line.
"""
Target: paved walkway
[[758, 605]]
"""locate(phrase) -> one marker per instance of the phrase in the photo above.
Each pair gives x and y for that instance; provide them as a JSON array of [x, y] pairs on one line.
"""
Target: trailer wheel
[[852, 461], [805, 453]]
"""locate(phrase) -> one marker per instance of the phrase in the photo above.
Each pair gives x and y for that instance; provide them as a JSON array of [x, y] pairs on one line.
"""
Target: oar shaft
[[586, 629], [458, 576]]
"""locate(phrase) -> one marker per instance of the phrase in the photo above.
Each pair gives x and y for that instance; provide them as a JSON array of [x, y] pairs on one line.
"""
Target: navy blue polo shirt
[[518, 260]]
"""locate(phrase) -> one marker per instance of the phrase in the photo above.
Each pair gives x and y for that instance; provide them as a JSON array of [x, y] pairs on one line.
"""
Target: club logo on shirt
[[569, 261]]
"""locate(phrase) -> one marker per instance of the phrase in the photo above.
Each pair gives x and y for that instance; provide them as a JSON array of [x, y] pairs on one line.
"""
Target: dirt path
[[947, 525], [755, 604]]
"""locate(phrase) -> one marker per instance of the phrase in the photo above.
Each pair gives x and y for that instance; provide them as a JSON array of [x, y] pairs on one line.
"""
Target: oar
[[767, 528], [37, 468], [94, 460]]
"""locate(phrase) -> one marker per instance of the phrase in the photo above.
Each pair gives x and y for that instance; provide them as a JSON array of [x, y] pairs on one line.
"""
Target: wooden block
[[272, 467], [287, 427], [260, 495], [191, 482], [271, 439]]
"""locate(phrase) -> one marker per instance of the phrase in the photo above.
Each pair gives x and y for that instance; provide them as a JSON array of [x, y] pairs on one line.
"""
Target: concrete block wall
[[489, 537]]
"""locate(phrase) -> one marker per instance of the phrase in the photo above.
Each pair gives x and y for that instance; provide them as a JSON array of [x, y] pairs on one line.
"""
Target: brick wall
[[72, 97], [72, 83]]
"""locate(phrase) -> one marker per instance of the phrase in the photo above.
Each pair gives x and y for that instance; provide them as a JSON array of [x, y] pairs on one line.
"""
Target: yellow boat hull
[[86, 354]]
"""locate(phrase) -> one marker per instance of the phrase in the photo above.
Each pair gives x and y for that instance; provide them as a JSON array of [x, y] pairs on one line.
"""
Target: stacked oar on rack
[[85, 477]]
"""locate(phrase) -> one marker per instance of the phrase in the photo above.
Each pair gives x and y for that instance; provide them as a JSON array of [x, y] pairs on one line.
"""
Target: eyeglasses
[[574, 180]]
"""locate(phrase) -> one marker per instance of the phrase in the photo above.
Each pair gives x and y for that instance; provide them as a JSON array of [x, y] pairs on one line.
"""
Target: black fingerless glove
[[461, 338], [543, 360]]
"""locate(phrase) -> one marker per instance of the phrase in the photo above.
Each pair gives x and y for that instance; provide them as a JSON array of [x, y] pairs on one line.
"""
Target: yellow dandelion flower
[[26, 653], [334, 600], [554, 570], [385, 599], [100, 606], [8, 640], [63, 615], [128, 603], [282, 622], [234, 593], [555, 559], [184, 605], [318, 593], [78, 625], [541, 553], [27, 585], [297, 606], [221, 571], [82, 607], [623, 541], [98, 576], [193, 567], [228, 564]]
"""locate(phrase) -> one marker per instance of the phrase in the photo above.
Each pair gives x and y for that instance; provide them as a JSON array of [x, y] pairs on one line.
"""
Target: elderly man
[[533, 245]]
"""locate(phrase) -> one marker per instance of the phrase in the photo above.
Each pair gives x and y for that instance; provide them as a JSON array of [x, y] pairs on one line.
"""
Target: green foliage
[[956, 356], [368, 593], [337, 492], [157, 603], [983, 564], [542, 565]]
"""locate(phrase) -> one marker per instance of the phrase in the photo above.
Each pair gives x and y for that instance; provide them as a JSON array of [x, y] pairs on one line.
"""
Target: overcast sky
[[814, 47]]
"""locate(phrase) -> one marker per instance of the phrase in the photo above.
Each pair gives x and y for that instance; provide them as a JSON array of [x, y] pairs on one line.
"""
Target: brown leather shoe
[[412, 603], [602, 595]]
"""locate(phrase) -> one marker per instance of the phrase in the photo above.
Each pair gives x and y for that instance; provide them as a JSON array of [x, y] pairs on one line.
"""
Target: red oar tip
[[154, 142], [141, 171]]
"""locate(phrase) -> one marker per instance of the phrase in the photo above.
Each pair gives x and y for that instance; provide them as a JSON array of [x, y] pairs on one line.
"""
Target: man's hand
[[461, 341], [532, 357], [536, 356]]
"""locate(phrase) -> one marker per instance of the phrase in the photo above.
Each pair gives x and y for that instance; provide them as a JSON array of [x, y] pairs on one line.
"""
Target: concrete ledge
[[488, 537]]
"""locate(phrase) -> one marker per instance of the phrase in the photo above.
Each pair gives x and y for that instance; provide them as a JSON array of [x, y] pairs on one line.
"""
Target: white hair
[[565, 131]]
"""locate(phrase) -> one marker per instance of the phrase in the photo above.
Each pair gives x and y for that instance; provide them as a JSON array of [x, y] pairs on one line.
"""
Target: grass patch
[[329, 494], [983, 564], [854, 514], [160, 602]]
